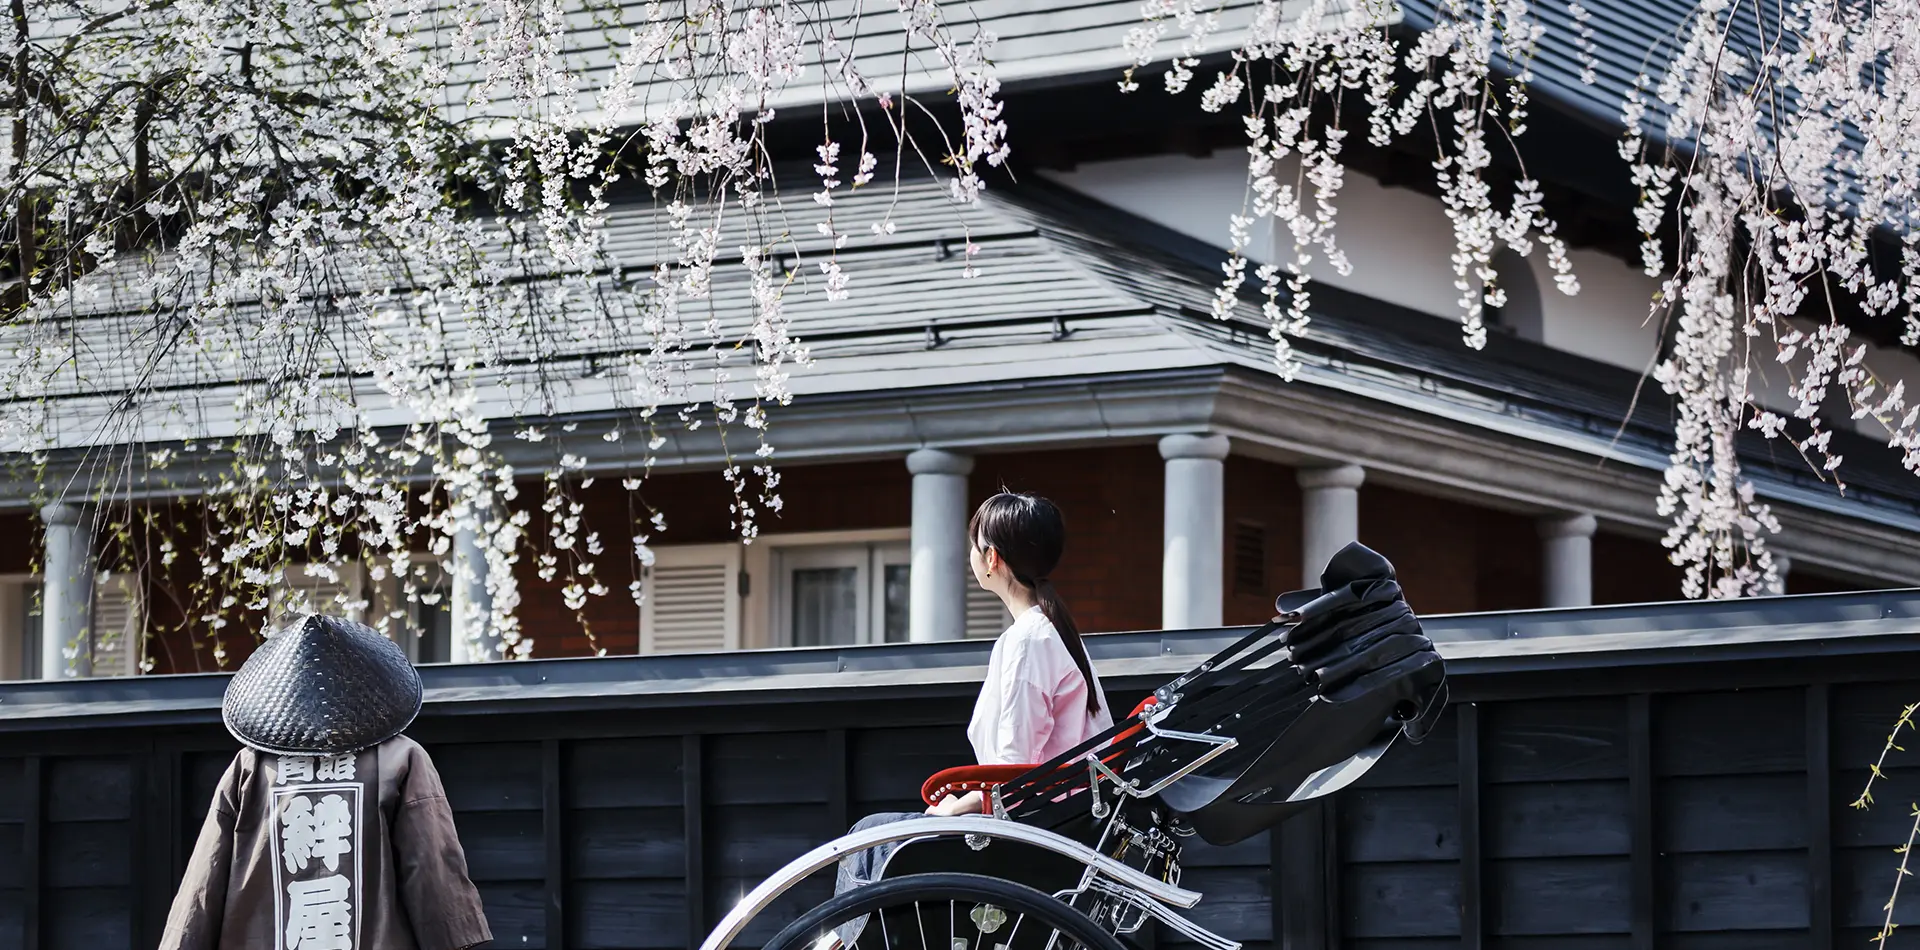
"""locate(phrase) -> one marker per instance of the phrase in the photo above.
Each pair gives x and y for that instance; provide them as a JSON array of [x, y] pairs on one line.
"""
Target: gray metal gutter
[[1778, 628]]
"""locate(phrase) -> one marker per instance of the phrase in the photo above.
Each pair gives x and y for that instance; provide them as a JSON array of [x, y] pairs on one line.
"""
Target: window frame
[[15, 594], [869, 551]]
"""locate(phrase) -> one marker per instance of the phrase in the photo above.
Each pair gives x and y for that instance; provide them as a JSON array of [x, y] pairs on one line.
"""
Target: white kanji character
[[319, 915], [336, 768], [316, 832], [294, 768]]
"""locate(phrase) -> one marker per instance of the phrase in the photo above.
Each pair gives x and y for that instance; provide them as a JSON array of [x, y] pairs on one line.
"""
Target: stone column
[[66, 617], [1192, 567], [1329, 515], [472, 638], [1782, 566], [937, 582], [1566, 568]]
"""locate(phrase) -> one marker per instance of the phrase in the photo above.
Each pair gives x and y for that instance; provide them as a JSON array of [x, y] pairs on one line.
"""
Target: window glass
[[825, 606], [895, 609], [433, 625], [30, 631]]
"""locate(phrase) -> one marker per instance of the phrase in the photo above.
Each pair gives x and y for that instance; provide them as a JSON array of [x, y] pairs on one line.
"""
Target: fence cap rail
[[1479, 644]]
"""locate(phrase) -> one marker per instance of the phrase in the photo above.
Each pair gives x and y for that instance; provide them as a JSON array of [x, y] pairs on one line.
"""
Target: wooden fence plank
[[32, 784], [839, 780], [1549, 819], [490, 776], [623, 773], [1733, 813], [693, 809], [1693, 735], [625, 844], [1300, 868], [1644, 895], [1819, 820], [1558, 896], [89, 788], [628, 915], [1399, 900], [553, 809], [1401, 824], [1736, 892], [1471, 902], [1554, 740]]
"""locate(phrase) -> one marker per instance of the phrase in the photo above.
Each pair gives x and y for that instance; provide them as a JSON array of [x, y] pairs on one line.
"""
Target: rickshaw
[[1084, 851]]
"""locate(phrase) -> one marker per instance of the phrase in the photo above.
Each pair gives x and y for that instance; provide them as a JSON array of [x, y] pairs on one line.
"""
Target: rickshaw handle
[[831, 852]]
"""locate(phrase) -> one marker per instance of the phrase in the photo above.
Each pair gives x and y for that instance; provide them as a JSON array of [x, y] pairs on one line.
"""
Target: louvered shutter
[[987, 617], [690, 600], [118, 628]]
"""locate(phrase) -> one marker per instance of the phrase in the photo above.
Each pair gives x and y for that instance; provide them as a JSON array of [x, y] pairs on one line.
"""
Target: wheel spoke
[[1017, 921], [997, 912]]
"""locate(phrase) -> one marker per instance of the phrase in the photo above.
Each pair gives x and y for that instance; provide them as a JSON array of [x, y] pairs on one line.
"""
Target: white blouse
[[1033, 705]]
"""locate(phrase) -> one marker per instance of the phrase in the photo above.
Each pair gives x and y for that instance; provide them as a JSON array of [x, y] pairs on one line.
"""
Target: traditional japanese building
[[1083, 362]]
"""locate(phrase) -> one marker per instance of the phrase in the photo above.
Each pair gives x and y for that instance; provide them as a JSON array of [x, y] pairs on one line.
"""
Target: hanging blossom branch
[[333, 271], [1876, 773], [1775, 168]]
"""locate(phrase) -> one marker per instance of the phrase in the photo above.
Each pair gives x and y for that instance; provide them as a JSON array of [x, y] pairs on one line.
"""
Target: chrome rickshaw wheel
[[947, 912]]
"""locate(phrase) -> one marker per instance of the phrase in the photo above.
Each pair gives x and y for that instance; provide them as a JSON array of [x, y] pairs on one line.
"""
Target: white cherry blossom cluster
[[296, 283], [1789, 174]]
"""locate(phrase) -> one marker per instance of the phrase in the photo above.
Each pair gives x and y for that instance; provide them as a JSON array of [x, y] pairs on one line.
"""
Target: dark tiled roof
[[1138, 295]]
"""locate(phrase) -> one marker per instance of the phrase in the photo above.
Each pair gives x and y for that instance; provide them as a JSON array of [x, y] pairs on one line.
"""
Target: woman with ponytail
[[1041, 696]]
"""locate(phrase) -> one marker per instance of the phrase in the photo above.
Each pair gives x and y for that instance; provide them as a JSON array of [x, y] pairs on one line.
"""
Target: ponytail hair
[[1029, 535]]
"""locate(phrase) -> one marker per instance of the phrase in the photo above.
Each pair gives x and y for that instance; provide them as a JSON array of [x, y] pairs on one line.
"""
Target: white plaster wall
[[1399, 242], [1194, 196], [1607, 320], [1891, 366]]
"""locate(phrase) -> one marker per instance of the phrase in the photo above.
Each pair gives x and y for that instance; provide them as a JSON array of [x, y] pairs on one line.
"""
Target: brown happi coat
[[348, 852]]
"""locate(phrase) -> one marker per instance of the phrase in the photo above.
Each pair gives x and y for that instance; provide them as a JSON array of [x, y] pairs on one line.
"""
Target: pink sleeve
[[1026, 710]]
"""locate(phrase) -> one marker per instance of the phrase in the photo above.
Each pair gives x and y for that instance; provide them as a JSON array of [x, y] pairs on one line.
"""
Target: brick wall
[[1262, 515], [851, 496], [1111, 500], [1629, 570], [1451, 556], [24, 530]]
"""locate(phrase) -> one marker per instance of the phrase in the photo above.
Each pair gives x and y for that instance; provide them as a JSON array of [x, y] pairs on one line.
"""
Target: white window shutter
[[338, 590], [987, 617], [690, 599], [118, 628]]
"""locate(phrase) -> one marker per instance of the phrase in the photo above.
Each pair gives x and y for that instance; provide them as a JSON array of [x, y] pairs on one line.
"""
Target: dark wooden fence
[[1673, 777]]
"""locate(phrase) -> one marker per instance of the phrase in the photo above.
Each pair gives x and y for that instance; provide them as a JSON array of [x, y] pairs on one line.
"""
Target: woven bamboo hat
[[322, 686]]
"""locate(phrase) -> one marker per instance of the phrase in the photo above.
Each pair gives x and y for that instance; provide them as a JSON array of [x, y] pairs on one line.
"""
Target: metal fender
[[931, 827]]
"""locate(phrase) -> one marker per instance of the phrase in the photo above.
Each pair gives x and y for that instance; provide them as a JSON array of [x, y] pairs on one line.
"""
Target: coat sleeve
[[441, 901], [201, 903]]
